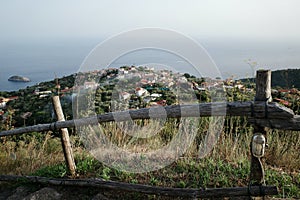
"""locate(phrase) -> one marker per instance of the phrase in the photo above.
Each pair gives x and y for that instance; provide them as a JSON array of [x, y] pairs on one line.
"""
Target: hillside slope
[[288, 78]]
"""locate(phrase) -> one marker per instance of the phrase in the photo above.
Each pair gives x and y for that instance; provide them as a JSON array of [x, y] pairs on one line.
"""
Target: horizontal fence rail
[[147, 189], [271, 115]]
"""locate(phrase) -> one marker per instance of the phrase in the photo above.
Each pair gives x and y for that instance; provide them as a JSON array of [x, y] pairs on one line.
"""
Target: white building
[[141, 92]]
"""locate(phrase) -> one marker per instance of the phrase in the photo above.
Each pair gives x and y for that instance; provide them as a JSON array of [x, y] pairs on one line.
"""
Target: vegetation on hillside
[[227, 165], [288, 78], [285, 79]]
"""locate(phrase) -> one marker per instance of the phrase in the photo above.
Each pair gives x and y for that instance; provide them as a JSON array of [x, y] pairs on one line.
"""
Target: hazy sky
[[232, 31], [196, 18]]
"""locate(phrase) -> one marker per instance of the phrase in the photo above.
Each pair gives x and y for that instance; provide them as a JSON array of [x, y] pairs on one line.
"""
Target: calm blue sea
[[43, 60], [40, 60]]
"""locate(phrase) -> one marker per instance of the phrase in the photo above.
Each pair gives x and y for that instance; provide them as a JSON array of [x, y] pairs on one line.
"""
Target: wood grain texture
[[271, 115]]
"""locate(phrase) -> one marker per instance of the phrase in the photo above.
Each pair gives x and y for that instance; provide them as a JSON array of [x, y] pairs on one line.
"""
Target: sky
[[276, 19], [265, 31]]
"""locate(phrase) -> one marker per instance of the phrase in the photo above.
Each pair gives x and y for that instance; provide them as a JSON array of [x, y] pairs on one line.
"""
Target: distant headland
[[19, 79]]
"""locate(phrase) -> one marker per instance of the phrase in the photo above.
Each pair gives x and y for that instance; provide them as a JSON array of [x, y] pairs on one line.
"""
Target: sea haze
[[40, 60], [43, 60]]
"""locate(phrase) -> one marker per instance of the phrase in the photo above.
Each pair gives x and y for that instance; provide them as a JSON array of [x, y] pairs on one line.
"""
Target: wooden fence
[[261, 113]]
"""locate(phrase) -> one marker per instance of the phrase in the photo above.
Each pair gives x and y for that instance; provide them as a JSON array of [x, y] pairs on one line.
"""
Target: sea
[[44, 60]]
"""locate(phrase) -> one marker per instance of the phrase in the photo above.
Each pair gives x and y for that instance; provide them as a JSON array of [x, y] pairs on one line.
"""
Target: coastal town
[[128, 87]]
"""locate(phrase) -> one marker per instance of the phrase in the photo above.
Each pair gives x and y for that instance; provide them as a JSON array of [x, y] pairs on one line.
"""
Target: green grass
[[185, 173], [288, 183]]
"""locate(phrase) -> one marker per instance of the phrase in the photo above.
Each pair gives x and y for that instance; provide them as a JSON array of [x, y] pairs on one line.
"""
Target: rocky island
[[19, 79]]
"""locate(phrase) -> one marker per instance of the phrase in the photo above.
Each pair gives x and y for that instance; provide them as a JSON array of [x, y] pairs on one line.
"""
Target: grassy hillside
[[227, 165]]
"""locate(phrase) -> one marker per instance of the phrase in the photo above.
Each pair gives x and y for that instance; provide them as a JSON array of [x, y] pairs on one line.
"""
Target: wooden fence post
[[263, 86], [263, 95], [65, 139]]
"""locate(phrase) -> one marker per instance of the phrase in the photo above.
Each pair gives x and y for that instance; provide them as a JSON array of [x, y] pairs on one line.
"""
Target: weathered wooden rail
[[278, 116], [261, 113], [147, 189]]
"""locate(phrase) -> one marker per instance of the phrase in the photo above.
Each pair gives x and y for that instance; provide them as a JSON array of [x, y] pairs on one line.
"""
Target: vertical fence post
[[263, 95], [263, 86], [65, 139]]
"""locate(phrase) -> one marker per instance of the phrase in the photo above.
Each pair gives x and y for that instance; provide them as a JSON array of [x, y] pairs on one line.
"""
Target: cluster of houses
[[144, 77], [150, 99], [161, 80], [147, 84]]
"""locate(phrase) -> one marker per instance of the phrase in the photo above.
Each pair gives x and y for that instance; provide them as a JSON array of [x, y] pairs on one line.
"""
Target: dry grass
[[226, 165], [22, 155], [33, 152], [284, 150]]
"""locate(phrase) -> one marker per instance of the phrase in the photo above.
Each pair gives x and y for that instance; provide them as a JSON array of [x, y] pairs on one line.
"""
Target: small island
[[19, 79]]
